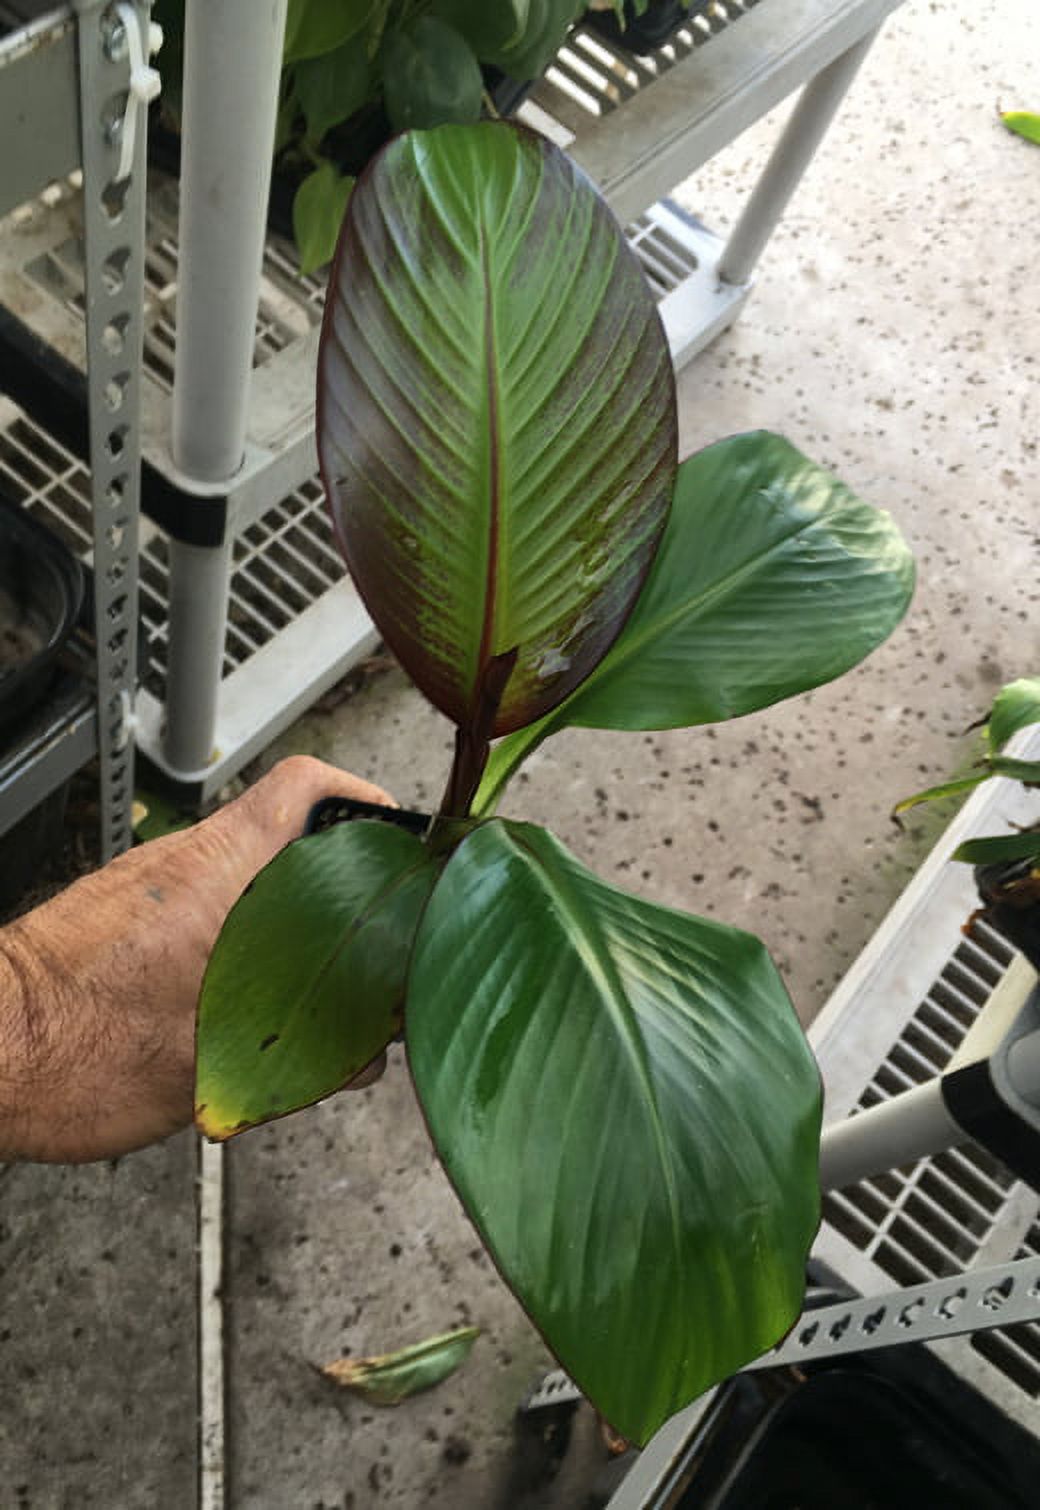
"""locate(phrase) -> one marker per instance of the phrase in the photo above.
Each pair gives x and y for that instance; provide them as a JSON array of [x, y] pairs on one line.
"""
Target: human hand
[[98, 987]]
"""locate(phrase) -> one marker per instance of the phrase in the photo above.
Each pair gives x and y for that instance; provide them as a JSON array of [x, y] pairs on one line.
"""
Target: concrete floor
[[893, 335]]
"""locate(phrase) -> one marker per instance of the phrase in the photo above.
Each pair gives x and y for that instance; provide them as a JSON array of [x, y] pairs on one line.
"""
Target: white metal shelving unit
[[72, 79], [247, 612]]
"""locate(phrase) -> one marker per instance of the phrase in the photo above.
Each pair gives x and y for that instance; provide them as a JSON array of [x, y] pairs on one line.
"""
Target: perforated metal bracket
[[972, 1302], [114, 236]]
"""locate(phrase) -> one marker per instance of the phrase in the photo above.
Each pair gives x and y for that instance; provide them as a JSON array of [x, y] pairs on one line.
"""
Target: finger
[[301, 780], [275, 809]]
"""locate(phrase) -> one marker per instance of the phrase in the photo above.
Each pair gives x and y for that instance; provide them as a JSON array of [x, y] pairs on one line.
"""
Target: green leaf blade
[[318, 208], [330, 88], [496, 415], [546, 24], [1015, 707], [952, 788], [627, 1106], [313, 27], [1026, 771], [990, 851], [772, 578], [305, 986], [430, 76]]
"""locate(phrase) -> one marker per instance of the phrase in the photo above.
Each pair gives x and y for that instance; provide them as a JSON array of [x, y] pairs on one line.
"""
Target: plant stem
[[473, 739], [467, 767]]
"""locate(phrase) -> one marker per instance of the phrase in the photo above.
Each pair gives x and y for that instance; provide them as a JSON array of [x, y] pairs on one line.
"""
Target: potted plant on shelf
[[355, 71], [1007, 866], [620, 1092]]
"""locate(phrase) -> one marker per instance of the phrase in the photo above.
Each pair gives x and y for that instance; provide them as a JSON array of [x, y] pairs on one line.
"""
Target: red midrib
[[494, 497]]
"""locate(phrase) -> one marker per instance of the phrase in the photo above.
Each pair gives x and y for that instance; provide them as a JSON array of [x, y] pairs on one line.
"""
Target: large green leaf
[[772, 577], [305, 986], [496, 415], [626, 1104]]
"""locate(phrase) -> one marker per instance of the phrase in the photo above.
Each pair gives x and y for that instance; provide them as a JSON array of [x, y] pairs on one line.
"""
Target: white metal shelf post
[[113, 47], [232, 64]]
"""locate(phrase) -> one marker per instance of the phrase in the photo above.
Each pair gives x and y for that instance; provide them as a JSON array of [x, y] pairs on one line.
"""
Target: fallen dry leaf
[[389, 1378]]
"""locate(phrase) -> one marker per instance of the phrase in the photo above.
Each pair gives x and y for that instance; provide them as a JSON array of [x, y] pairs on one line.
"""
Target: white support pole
[[910, 1126], [199, 576], [232, 63], [792, 154], [1023, 1067]]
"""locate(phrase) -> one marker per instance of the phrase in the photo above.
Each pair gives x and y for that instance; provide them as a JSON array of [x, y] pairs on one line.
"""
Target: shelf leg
[[232, 54], [816, 108], [199, 577]]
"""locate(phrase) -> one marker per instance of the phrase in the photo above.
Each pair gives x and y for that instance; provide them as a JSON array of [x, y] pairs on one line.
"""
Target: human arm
[[98, 987]]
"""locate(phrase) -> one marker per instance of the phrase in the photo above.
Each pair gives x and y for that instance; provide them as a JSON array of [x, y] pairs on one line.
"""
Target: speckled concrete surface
[[97, 1333], [893, 335]]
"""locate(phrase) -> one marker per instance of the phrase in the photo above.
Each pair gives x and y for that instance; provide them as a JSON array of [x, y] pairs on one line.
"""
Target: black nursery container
[[41, 591], [644, 34], [1010, 891], [890, 1430]]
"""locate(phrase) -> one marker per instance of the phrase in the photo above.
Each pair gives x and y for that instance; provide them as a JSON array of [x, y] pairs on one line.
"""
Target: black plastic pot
[[30, 851], [644, 34], [332, 810], [891, 1430], [1012, 899], [41, 590]]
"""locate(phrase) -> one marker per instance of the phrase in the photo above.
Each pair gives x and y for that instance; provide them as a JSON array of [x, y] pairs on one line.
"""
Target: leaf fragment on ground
[[389, 1378], [1023, 123]]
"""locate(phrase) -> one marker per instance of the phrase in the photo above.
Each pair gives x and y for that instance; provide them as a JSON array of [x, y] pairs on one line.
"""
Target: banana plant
[[620, 1092]]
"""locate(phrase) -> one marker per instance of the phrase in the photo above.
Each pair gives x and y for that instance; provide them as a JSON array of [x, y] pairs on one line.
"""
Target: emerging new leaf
[[626, 1104], [496, 415]]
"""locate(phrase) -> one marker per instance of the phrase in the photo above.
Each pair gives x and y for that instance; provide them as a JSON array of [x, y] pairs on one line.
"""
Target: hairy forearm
[[29, 1004], [95, 1021], [98, 986]]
